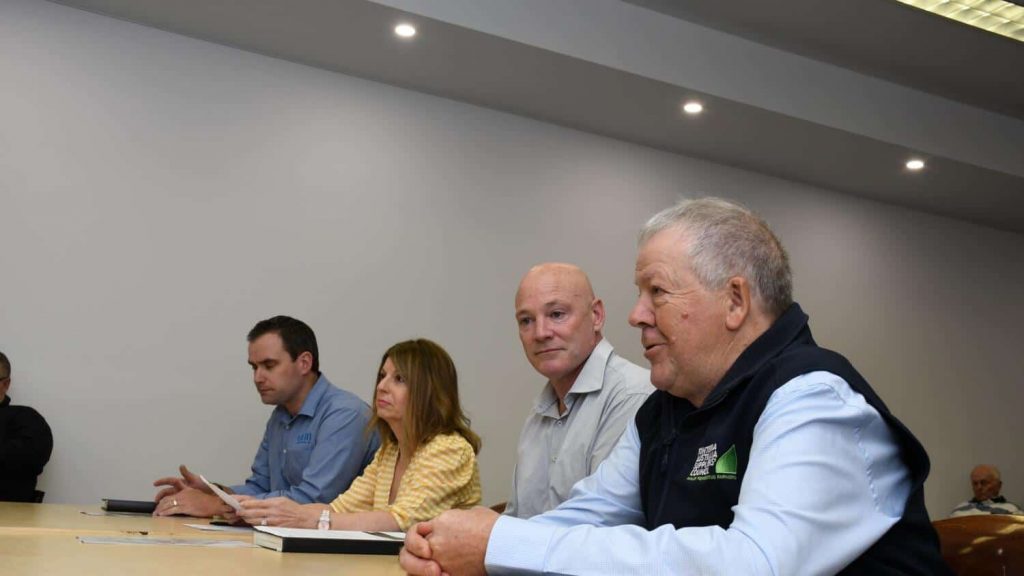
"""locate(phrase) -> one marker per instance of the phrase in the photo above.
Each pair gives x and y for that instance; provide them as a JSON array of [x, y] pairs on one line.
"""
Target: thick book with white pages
[[327, 541]]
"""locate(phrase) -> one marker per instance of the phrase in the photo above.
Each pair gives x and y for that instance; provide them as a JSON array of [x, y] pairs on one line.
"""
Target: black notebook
[[327, 541], [135, 506]]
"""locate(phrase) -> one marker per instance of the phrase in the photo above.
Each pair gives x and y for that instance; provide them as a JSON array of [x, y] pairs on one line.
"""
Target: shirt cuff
[[517, 545], [242, 489]]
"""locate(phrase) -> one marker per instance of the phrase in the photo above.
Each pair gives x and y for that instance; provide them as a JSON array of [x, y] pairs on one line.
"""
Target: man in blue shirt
[[316, 441], [760, 453]]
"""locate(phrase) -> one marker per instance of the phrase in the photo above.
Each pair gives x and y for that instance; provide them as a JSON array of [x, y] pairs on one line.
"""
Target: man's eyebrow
[[556, 302], [545, 306], [644, 275]]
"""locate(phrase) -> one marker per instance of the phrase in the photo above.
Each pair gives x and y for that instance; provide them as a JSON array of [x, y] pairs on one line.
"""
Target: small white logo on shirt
[[706, 458], [710, 467]]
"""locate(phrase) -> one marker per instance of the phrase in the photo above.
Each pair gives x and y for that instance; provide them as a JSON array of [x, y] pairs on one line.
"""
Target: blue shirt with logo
[[314, 455]]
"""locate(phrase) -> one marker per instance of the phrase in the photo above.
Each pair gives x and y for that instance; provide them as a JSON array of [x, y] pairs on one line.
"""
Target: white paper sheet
[[146, 540], [227, 498], [216, 528]]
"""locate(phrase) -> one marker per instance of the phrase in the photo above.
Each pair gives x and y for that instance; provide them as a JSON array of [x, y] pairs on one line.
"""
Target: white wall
[[158, 195]]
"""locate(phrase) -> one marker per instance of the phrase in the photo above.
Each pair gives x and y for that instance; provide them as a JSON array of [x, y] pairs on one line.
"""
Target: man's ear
[[305, 362], [597, 308], [739, 302]]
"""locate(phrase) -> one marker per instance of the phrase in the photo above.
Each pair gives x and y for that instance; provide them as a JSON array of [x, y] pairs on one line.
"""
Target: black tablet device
[[134, 506]]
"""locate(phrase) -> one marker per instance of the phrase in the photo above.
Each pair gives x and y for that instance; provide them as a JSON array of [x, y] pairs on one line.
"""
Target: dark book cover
[[328, 541]]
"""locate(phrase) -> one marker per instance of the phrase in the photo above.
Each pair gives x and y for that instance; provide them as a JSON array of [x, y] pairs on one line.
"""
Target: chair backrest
[[983, 545], [37, 496], [499, 507]]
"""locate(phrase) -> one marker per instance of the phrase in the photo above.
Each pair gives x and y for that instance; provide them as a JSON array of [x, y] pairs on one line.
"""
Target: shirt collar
[[312, 401], [590, 378]]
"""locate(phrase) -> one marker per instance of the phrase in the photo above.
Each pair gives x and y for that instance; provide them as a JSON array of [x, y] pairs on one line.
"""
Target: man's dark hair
[[296, 335], [5, 365]]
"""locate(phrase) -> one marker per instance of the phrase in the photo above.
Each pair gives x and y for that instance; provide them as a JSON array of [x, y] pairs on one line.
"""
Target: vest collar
[[787, 328]]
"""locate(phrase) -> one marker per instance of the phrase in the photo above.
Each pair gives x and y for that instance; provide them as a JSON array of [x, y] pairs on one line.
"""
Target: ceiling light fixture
[[915, 164], [405, 30], [996, 16], [693, 107]]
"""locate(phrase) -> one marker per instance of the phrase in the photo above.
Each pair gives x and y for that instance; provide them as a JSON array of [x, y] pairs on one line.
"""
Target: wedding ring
[[174, 503], [263, 522]]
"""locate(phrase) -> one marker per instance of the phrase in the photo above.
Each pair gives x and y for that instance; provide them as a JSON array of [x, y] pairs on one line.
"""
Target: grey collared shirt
[[556, 451]]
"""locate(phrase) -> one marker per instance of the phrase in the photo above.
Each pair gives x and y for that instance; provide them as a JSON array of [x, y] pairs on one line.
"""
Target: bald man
[[590, 395], [986, 483]]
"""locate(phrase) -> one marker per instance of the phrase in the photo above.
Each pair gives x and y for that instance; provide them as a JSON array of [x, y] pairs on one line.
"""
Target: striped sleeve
[[442, 475], [359, 496]]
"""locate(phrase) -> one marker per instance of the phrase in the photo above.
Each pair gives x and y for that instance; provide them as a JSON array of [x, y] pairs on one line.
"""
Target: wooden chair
[[499, 507], [984, 545]]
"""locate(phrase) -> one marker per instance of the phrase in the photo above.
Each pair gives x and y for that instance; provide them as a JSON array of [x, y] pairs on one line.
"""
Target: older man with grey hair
[[760, 452], [987, 483]]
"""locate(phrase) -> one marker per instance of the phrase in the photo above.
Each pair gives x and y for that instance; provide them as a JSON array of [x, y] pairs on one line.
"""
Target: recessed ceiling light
[[915, 164], [693, 107], [405, 30]]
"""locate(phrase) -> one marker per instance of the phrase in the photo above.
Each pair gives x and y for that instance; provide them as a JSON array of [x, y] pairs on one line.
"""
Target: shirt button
[[554, 458], [285, 450], [287, 426]]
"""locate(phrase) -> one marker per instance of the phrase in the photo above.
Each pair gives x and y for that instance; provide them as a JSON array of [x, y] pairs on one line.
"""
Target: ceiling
[[882, 38], [487, 52]]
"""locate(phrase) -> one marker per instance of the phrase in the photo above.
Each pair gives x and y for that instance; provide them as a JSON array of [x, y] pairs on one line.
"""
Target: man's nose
[[640, 315], [541, 329]]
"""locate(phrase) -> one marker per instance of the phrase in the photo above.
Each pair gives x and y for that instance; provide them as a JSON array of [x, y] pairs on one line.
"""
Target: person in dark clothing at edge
[[25, 444], [759, 453]]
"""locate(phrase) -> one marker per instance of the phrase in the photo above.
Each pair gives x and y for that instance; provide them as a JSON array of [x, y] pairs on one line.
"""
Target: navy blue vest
[[672, 433]]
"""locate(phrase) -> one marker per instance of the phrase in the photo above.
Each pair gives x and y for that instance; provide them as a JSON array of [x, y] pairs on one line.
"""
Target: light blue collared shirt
[[558, 450], [824, 482], [314, 455]]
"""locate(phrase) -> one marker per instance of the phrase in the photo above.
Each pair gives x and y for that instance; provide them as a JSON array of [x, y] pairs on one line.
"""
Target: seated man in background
[[590, 395], [316, 441], [25, 444], [760, 453], [986, 483]]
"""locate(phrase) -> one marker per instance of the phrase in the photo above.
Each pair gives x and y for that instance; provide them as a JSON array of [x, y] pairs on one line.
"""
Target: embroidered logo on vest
[[711, 466]]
